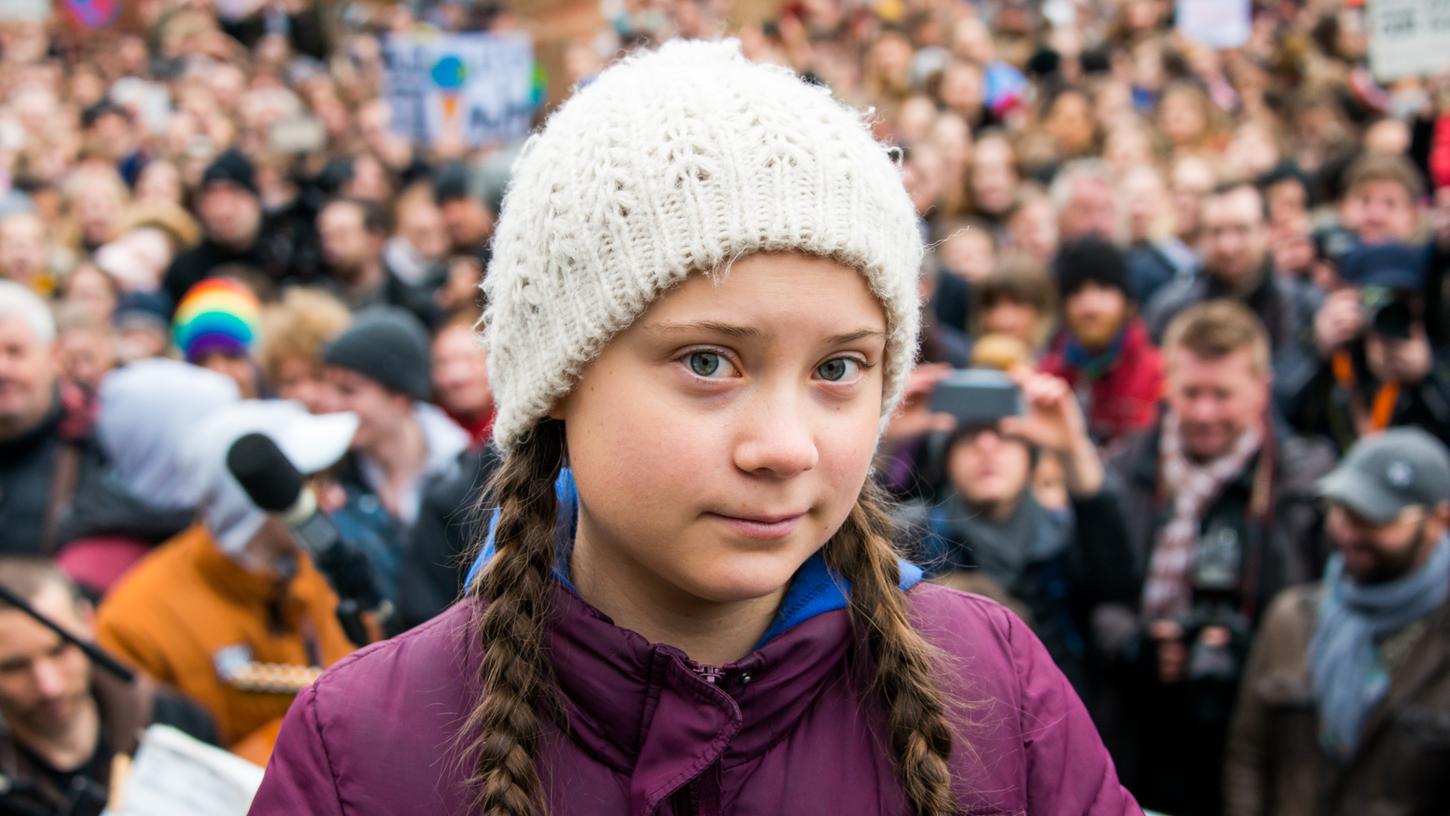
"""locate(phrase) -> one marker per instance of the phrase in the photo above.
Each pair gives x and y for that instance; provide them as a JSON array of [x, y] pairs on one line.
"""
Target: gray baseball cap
[[1384, 474]]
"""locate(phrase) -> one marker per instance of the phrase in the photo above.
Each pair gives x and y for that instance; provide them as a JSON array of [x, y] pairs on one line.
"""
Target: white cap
[[312, 442]]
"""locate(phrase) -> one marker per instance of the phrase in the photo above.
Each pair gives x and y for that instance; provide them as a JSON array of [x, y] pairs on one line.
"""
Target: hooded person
[[232, 612], [704, 289], [142, 497]]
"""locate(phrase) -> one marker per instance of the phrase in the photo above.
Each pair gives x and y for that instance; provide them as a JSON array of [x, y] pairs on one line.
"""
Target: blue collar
[[813, 590]]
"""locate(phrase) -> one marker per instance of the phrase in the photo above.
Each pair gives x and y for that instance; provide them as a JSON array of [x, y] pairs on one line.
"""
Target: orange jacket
[[239, 643]]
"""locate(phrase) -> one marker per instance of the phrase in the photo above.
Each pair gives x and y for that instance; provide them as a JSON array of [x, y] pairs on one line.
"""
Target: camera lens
[[1392, 319]]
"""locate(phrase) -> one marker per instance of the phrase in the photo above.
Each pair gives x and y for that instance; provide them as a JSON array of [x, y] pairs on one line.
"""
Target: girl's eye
[[708, 364], [840, 369]]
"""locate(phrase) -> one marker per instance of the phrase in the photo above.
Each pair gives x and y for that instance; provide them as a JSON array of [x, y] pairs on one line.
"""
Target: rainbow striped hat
[[217, 316]]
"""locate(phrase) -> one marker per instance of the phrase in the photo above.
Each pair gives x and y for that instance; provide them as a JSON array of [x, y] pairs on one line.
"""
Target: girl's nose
[[777, 441]]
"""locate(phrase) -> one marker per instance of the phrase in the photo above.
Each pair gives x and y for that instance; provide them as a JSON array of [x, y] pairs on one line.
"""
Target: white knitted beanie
[[674, 162]]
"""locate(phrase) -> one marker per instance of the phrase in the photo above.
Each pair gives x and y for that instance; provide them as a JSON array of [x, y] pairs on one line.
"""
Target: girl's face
[[723, 437]]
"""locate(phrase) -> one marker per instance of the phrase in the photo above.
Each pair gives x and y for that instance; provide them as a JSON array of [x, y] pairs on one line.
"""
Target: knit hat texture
[[1090, 260], [216, 316], [669, 163], [387, 345]]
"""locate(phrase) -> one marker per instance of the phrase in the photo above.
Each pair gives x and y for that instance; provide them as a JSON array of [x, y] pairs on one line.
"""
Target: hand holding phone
[[977, 396]]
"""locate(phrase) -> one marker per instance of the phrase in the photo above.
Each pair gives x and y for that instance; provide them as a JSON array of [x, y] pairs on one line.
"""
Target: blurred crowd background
[[1230, 260]]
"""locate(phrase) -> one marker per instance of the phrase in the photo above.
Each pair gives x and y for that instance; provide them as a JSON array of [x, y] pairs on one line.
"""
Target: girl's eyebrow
[[732, 330], [715, 327]]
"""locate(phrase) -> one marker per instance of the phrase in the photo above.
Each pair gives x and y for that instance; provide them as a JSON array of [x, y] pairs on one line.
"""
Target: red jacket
[[1125, 397]]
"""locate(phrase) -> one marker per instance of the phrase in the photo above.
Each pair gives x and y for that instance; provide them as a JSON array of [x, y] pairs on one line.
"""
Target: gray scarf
[[1004, 550], [1349, 677]]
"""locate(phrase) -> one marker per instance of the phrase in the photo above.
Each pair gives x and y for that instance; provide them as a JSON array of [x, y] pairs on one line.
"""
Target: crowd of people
[[1217, 279]]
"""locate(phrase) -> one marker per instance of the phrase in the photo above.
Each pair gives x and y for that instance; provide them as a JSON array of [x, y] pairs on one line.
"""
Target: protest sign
[[1215, 23], [174, 773], [483, 87], [1409, 37]]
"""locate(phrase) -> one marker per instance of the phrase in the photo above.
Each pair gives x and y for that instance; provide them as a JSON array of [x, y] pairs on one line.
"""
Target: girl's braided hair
[[503, 728]]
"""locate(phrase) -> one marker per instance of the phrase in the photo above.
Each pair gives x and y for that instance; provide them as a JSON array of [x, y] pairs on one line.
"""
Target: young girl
[[703, 304]]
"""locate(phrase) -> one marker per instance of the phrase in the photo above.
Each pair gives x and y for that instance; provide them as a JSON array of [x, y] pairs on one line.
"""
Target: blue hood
[[813, 590]]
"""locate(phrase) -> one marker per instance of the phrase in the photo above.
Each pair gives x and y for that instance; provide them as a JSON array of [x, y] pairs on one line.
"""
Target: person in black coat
[[239, 233]]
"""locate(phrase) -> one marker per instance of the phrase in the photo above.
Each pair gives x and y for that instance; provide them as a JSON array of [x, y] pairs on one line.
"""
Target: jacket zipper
[[714, 675], [718, 677], [693, 798]]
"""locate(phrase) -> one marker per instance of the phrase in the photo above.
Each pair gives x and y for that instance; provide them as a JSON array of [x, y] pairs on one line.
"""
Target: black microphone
[[275, 486]]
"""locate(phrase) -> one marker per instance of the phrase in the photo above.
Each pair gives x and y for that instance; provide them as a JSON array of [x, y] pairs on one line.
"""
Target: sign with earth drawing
[[482, 87]]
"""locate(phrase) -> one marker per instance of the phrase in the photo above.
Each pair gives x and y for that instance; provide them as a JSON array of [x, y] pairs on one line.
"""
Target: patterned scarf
[[1194, 484]]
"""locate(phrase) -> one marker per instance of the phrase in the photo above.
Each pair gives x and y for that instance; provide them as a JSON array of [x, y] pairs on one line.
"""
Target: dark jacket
[[126, 710], [39, 471], [1275, 765], [1285, 305], [781, 731], [286, 251], [1168, 738], [103, 506], [447, 529], [1320, 405], [367, 525]]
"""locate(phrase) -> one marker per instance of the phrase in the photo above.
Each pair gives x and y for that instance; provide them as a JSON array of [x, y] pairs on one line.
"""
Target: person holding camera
[[1345, 705], [994, 536], [1375, 366], [1222, 515]]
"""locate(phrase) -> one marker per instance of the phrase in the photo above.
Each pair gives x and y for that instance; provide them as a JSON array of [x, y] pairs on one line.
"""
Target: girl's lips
[[760, 528]]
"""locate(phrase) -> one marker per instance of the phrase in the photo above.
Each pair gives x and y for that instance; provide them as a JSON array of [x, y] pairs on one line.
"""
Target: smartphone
[[977, 396]]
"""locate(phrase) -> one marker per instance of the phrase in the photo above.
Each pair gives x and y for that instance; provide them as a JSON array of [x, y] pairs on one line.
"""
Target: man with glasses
[[1345, 705]]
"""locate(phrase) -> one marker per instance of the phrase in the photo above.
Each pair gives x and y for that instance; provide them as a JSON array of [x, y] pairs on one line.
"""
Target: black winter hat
[[231, 166], [1087, 260], [386, 345]]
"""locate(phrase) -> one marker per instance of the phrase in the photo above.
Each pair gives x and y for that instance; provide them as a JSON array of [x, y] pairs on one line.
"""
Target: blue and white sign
[[480, 86]]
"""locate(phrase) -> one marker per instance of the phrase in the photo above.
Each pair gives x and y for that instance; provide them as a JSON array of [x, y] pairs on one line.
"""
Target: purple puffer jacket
[[781, 731]]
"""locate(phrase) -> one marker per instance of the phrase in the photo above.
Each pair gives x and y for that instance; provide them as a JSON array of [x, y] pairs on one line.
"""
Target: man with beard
[[61, 722], [1345, 707], [1103, 350], [353, 234], [1222, 514]]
